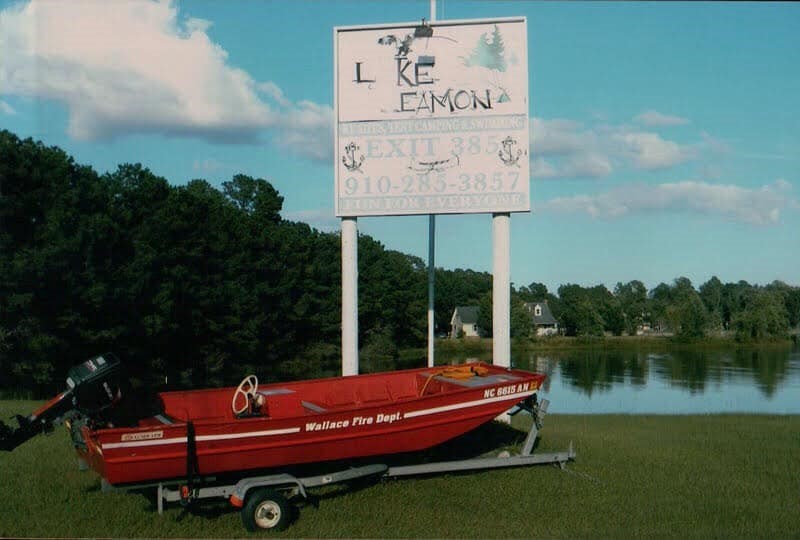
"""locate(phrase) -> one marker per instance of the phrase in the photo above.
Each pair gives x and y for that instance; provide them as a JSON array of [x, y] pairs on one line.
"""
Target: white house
[[464, 322], [543, 321]]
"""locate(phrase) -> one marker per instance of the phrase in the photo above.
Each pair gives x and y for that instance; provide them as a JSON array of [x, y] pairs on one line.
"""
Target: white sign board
[[432, 119]]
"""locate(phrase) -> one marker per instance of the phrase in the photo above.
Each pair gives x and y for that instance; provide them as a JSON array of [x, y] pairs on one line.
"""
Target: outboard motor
[[93, 388]]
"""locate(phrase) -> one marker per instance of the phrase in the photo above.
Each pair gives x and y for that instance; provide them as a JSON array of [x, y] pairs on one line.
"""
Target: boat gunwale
[[454, 390]]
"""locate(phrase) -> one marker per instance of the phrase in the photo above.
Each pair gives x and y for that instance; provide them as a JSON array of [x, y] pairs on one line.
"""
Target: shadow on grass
[[485, 441], [490, 438]]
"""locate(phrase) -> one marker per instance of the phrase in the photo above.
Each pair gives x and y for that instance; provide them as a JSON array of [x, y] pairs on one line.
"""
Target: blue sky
[[665, 137]]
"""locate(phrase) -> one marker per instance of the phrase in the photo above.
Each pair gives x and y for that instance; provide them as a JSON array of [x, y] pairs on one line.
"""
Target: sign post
[[501, 289], [431, 119], [349, 296], [431, 286], [431, 264]]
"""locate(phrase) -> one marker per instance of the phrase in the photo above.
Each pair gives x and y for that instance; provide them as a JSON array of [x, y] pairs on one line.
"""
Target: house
[[464, 322], [543, 321]]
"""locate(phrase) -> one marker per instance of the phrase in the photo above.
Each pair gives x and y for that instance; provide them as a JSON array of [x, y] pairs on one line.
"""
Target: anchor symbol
[[350, 161], [507, 154]]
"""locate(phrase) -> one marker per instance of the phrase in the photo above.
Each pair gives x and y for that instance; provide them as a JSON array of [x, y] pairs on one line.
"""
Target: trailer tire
[[266, 509]]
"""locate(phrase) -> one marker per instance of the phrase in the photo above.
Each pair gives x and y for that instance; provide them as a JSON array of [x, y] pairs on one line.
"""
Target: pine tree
[[497, 51], [489, 52]]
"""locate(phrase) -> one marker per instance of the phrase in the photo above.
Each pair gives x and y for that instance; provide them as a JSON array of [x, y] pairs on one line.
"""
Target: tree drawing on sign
[[490, 53]]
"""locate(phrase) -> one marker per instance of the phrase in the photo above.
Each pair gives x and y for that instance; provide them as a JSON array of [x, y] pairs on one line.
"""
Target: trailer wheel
[[266, 509]]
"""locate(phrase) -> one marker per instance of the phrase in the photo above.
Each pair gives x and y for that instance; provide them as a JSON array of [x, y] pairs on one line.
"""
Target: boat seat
[[371, 393], [342, 397], [431, 385], [313, 407], [157, 420], [403, 389], [473, 382], [275, 391]]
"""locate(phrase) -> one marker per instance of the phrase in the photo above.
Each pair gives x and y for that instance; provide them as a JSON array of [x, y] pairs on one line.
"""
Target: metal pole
[[431, 257], [349, 296], [431, 285], [501, 290], [501, 295]]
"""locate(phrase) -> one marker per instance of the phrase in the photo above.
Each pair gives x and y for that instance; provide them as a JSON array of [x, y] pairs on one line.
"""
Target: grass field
[[725, 476]]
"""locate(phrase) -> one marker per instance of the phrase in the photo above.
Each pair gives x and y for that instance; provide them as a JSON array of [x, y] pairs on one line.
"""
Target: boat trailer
[[264, 500]]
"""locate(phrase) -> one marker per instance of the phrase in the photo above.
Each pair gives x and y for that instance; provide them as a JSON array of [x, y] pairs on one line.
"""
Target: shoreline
[[646, 343]]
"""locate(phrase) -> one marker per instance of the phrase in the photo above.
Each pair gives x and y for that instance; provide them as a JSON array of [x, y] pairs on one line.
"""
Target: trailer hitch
[[9, 435], [40, 421], [27, 428]]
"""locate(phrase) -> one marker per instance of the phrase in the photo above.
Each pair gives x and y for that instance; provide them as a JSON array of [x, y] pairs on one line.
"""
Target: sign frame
[[472, 158]]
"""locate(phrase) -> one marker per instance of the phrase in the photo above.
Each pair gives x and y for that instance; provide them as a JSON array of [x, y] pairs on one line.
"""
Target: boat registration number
[[506, 390]]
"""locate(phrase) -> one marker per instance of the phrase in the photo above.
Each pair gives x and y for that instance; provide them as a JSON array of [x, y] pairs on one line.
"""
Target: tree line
[[194, 285], [190, 284], [744, 311]]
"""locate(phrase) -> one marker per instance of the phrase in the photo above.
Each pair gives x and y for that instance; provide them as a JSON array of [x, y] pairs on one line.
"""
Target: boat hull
[[295, 435]]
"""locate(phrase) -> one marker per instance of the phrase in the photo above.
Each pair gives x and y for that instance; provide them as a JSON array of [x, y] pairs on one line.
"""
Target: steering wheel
[[247, 388]]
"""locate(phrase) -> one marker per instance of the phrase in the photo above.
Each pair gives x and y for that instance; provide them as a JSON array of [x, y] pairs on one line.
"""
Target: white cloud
[[126, 66], [650, 151], [760, 206], [210, 166], [541, 168], [656, 119], [714, 145], [307, 130], [584, 164], [567, 149], [322, 219], [592, 164], [573, 150], [274, 92], [137, 66], [559, 136], [5, 108]]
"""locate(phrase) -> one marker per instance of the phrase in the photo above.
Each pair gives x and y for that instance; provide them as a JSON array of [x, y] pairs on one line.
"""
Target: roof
[[468, 314], [546, 318]]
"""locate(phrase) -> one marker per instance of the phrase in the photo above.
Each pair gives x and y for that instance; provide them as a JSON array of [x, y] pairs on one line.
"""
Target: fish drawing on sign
[[438, 165]]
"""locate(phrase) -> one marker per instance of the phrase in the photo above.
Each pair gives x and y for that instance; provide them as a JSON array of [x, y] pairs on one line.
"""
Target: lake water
[[678, 382]]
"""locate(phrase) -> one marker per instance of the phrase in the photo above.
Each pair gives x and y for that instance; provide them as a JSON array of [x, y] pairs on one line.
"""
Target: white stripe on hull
[[202, 438], [477, 402]]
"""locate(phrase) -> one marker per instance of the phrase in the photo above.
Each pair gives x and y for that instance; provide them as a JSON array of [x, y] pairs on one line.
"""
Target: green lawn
[[701, 476]]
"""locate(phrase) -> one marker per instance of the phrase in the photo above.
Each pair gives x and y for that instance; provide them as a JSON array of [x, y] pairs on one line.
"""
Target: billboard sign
[[432, 119]]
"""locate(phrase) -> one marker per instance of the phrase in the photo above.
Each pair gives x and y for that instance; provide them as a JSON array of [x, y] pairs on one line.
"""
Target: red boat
[[214, 431]]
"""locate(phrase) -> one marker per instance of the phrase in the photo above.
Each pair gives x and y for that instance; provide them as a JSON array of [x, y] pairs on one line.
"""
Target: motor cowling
[[97, 384]]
